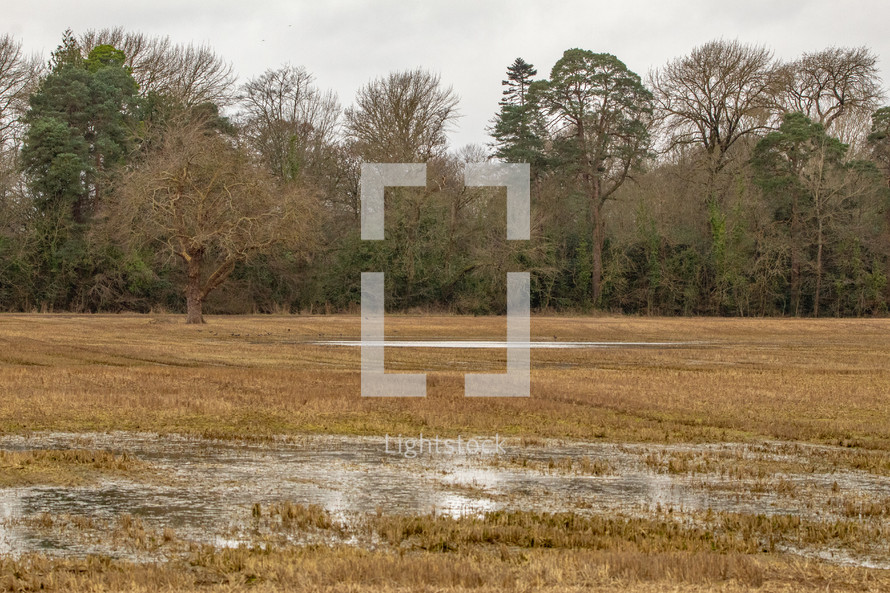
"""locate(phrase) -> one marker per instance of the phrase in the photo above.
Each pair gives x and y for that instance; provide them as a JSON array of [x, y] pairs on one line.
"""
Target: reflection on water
[[209, 487], [494, 345]]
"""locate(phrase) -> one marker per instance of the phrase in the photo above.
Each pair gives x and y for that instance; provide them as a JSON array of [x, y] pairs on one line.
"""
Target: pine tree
[[519, 77], [79, 122], [78, 128], [517, 127]]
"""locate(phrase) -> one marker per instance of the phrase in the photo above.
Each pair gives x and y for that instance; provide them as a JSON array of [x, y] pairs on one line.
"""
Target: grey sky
[[344, 43]]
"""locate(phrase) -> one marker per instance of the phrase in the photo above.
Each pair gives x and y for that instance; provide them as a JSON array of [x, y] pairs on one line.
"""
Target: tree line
[[137, 174]]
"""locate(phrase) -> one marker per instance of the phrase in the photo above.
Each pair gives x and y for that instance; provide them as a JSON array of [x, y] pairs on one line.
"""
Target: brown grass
[[64, 467], [723, 533], [291, 516], [819, 381], [529, 530], [822, 381], [504, 551]]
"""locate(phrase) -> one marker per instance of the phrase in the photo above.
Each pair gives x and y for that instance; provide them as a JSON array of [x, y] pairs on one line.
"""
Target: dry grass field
[[823, 381], [743, 380], [507, 551]]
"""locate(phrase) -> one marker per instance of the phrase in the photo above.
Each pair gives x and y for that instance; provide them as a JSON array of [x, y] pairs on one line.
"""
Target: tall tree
[[817, 194], [709, 104], [518, 127], [79, 127], [599, 118], [404, 117]]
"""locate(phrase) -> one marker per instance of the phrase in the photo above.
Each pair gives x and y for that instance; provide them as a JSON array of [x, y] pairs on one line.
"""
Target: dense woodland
[[138, 174]]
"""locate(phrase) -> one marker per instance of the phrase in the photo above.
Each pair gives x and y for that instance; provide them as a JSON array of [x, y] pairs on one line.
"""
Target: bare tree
[[210, 205], [189, 74], [721, 92], [289, 122], [18, 77], [711, 105], [833, 84], [403, 117]]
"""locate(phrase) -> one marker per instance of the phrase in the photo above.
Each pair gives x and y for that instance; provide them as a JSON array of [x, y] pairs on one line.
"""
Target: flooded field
[[684, 454], [212, 492]]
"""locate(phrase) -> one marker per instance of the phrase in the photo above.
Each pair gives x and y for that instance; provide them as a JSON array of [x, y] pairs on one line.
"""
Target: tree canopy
[[137, 172]]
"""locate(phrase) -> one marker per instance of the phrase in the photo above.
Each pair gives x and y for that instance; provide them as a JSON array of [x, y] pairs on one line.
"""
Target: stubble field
[[744, 410]]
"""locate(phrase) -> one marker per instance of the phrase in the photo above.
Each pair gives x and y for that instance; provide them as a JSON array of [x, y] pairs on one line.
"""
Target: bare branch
[[187, 73], [832, 85], [721, 92], [401, 118]]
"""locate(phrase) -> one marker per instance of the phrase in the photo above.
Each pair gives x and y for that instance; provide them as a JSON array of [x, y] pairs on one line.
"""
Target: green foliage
[[819, 198], [79, 133], [518, 129], [56, 158], [782, 158], [79, 128], [67, 54], [858, 284], [598, 124], [880, 126], [791, 222], [879, 140], [600, 110], [103, 56]]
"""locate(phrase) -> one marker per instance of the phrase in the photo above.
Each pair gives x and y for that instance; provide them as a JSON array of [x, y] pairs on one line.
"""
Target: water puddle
[[209, 487], [490, 344]]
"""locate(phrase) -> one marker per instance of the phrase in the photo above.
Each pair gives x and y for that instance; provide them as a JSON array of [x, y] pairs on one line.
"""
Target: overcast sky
[[345, 43]]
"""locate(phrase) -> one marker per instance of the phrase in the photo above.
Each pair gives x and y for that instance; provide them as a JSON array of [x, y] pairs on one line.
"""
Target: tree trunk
[[599, 237], [193, 293], [795, 260], [818, 271], [887, 245]]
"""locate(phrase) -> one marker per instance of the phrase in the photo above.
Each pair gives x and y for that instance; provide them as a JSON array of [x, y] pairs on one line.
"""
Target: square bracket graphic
[[516, 382]]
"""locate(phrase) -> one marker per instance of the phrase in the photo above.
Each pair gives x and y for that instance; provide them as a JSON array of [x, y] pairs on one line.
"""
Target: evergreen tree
[[517, 127], [599, 115], [818, 196], [79, 128], [79, 131], [519, 77]]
